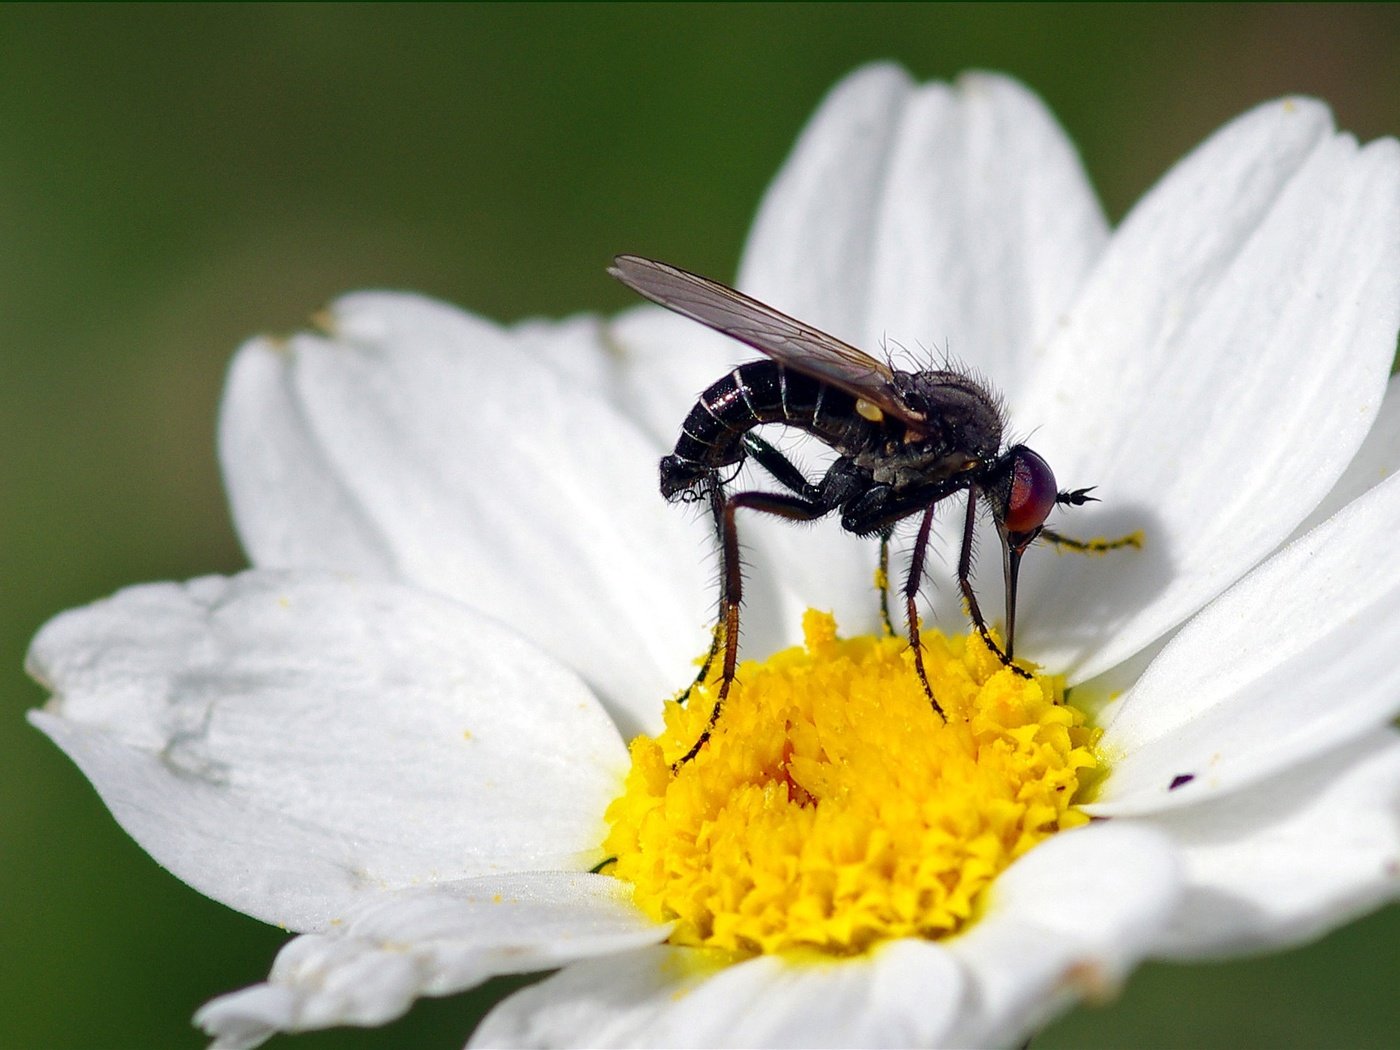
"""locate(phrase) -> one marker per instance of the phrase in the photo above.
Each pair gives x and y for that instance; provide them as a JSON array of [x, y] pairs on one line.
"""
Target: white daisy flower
[[402, 735]]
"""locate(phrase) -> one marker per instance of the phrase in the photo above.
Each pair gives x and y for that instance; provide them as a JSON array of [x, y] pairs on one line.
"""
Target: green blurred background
[[174, 179]]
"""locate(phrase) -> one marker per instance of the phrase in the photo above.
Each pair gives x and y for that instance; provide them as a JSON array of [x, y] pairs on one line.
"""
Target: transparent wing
[[788, 341]]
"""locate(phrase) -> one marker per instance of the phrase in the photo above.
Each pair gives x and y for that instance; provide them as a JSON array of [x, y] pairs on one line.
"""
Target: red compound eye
[[1033, 492]]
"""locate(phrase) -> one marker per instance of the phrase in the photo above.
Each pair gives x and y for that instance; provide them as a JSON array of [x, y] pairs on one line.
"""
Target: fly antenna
[[1078, 497]]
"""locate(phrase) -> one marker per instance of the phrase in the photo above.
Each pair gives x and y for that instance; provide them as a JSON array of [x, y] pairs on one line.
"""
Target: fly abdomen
[[751, 395]]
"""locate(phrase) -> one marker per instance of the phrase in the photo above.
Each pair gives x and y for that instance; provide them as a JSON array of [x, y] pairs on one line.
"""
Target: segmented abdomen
[[753, 394]]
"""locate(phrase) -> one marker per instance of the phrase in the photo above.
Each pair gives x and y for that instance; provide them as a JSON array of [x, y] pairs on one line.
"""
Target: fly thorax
[[903, 464], [961, 416]]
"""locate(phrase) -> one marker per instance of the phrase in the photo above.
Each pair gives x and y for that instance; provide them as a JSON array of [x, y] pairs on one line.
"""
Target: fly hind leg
[[787, 474], [835, 488], [715, 495], [794, 508]]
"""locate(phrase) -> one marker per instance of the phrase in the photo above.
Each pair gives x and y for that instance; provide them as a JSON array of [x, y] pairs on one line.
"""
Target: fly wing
[[785, 339]]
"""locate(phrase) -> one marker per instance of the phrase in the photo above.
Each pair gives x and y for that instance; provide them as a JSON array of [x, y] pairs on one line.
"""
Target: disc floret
[[833, 809]]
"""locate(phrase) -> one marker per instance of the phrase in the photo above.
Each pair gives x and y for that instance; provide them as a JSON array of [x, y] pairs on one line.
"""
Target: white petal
[[905, 994], [1376, 460], [1219, 371], [426, 445], [1296, 658], [925, 217], [1290, 858], [1065, 922], [938, 216], [288, 744], [430, 941], [1068, 920]]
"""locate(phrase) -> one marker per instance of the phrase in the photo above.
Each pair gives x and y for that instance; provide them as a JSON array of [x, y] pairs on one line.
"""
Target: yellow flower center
[[832, 808]]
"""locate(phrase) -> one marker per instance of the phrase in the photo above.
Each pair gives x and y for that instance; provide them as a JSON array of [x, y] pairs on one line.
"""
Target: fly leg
[[793, 508], [876, 511], [834, 489], [965, 585], [1095, 546], [882, 581], [715, 492], [786, 473], [911, 602]]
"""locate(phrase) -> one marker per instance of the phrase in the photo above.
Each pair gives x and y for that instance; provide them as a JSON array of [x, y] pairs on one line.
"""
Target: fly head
[[1020, 486]]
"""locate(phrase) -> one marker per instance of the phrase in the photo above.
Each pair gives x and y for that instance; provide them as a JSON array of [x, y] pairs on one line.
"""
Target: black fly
[[905, 442]]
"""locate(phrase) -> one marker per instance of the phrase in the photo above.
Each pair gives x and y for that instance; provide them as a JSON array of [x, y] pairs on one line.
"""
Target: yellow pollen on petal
[[832, 808]]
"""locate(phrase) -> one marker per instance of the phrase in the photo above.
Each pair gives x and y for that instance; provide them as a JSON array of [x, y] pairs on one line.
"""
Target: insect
[[905, 442]]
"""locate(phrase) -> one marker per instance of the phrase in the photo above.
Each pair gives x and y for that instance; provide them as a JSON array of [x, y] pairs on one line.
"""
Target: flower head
[[402, 733]]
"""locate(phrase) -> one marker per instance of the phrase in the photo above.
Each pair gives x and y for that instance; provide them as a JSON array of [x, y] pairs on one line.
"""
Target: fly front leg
[[969, 595], [794, 508], [1094, 546]]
